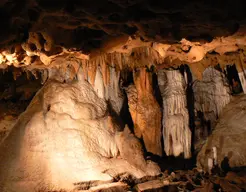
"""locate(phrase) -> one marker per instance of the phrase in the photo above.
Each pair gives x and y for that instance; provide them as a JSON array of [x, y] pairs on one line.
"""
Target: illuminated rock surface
[[145, 112], [212, 94], [176, 131], [66, 136], [77, 127]]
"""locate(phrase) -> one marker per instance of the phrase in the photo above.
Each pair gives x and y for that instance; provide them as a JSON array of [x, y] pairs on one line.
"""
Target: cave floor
[[178, 181]]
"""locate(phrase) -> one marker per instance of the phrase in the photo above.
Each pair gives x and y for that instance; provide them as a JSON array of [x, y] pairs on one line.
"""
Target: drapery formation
[[145, 111], [176, 131]]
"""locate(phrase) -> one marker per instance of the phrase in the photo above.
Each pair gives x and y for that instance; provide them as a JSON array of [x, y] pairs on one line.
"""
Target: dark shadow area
[[233, 79], [126, 78], [157, 95], [17, 85], [225, 166], [16, 92], [206, 125], [172, 163]]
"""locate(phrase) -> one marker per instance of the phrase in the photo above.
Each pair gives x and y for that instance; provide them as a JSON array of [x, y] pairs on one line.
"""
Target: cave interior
[[122, 95]]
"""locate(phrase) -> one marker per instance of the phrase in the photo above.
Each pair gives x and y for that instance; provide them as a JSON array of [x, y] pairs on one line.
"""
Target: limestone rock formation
[[72, 134], [225, 147], [145, 111], [67, 137], [176, 131], [212, 94]]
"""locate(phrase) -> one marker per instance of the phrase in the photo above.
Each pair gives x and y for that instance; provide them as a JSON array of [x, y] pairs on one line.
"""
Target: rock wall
[[225, 147], [145, 111], [67, 137], [212, 94], [176, 131]]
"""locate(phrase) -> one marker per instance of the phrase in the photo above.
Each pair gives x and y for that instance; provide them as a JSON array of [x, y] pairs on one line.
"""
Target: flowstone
[[66, 137]]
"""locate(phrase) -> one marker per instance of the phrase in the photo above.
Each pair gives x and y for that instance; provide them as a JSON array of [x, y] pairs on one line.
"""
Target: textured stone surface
[[85, 24], [176, 131], [35, 32], [228, 138], [145, 111], [211, 95], [65, 137]]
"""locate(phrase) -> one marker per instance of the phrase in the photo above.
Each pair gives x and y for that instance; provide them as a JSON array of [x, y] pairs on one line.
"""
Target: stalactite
[[212, 93], [44, 76], [92, 68], [85, 71], [107, 86], [176, 131], [145, 111], [99, 85], [105, 71], [115, 95]]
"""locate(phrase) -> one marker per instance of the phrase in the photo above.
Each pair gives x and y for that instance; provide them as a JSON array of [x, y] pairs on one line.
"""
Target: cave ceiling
[[34, 32]]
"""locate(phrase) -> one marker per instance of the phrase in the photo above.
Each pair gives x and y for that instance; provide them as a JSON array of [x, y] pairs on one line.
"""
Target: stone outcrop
[[176, 131], [145, 111], [211, 94], [225, 147], [66, 137]]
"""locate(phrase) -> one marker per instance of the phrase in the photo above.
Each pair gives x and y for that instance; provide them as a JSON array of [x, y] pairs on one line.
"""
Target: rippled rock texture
[[67, 137]]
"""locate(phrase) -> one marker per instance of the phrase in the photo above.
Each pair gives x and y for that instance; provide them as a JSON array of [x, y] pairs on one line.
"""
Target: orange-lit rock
[[145, 111]]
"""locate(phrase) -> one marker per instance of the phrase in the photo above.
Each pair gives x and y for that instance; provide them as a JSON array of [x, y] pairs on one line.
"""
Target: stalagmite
[[211, 94], [67, 137], [176, 131], [145, 111]]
